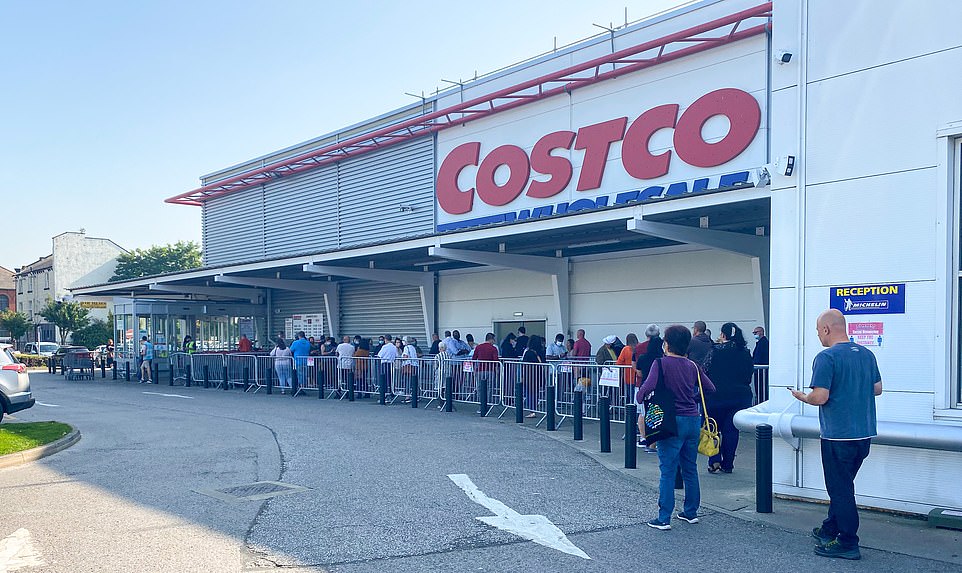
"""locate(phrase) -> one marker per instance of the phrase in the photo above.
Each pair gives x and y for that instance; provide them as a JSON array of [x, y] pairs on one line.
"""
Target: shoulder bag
[[709, 440], [660, 420]]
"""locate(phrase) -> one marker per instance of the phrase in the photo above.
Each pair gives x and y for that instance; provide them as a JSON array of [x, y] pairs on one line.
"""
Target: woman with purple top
[[681, 378]]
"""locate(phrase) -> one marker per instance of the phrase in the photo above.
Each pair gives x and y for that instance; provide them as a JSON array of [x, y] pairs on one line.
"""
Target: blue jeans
[[682, 448], [841, 461]]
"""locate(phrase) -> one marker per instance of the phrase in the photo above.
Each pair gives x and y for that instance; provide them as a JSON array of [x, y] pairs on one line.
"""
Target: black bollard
[[171, 380], [549, 420], [631, 436], [187, 375], [247, 378], [579, 406], [49, 365], [155, 375], [604, 417], [350, 385], [224, 372], [519, 402], [114, 368], [269, 373], [415, 390], [763, 468], [319, 379], [103, 369], [448, 394], [294, 384], [382, 388], [483, 394], [206, 376], [127, 371]]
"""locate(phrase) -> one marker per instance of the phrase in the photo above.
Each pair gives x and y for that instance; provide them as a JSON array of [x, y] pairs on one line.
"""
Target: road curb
[[34, 454]]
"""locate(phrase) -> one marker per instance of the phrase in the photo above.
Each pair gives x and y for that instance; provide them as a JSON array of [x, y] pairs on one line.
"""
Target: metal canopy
[[697, 39]]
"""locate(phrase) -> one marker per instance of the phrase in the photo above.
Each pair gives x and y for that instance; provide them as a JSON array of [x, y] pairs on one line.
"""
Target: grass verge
[[24, 436]]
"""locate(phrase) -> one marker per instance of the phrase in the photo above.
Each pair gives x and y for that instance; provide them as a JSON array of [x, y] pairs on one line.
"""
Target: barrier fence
[[334, 377]]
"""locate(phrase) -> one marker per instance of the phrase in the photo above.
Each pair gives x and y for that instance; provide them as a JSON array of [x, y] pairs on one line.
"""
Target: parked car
[[41, 348], [15, 394]]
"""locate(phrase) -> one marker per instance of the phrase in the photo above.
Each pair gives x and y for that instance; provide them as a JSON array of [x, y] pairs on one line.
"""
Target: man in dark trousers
[[845, 382], [701, 345], [760, 354]]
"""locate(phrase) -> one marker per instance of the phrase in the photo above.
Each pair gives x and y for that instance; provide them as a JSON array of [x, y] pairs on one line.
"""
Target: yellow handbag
[[709, 441]]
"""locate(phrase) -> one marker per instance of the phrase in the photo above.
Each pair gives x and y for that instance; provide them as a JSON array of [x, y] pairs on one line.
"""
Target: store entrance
[[532, 327]]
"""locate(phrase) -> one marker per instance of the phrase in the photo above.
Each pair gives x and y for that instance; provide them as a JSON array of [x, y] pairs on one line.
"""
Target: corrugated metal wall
[[233, 228], [375, 186], [288, 303], [356, 201], [372, 309], [300, 214]]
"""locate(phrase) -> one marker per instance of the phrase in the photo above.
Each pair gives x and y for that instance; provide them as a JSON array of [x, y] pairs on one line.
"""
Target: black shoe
[[821, 537], [835, 549]]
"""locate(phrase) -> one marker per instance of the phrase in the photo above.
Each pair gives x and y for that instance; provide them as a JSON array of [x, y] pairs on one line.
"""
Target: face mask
[[757, 336], [381, 340]]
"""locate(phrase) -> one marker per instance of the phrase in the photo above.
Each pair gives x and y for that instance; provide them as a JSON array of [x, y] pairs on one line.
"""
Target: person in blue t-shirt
[[301, 349], [146, 358], [845, 382]]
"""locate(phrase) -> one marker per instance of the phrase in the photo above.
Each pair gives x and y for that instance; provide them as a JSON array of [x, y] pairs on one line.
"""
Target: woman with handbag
[[677, 379], [731, 368]]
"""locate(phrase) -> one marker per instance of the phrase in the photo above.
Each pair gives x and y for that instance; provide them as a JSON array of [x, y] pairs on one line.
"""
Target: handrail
[[791, 427]]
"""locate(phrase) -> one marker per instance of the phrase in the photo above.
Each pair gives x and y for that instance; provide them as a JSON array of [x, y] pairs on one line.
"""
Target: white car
[[15, 394], [41, 348]]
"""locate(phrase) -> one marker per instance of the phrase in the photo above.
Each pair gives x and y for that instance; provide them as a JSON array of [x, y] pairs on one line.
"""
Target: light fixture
[[594, 244], [519, 314]]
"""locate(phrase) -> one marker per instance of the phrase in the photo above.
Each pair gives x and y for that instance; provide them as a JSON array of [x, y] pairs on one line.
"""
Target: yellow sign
[[92, 304]]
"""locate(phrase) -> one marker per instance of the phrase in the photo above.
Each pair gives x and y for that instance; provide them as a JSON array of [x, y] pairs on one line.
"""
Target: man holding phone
[[845, 382]]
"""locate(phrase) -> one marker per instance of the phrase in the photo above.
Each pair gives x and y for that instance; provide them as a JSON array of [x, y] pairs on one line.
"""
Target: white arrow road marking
[[537, 528], [48, 405], [169, 395], [17, 551]]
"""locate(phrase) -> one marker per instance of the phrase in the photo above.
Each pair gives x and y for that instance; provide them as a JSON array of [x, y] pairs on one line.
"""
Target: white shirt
[[410, 355], [388, 353], [345, 353]]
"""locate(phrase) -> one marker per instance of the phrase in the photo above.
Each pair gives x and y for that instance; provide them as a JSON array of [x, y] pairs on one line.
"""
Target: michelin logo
[[851, 305]]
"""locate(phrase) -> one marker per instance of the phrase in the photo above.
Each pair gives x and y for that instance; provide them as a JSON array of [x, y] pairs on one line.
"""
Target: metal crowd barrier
[[241, 369], [535, 379], [759, 384], [214, 365], [586, 377], [179, 362]]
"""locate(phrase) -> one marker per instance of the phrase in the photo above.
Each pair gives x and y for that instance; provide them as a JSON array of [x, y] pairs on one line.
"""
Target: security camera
[[783, 57]]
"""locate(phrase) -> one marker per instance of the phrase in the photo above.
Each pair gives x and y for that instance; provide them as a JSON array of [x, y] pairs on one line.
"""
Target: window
[[4, 302], [957, 210], [46, 280]]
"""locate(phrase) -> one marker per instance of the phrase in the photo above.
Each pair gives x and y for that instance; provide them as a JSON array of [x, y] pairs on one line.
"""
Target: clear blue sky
[[111, 106]]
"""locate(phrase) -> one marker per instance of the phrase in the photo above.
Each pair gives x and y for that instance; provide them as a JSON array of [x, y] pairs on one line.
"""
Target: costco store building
[[727, 161]]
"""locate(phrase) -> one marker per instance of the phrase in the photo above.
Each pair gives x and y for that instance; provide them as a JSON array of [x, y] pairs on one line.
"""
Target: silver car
[[15, 394]]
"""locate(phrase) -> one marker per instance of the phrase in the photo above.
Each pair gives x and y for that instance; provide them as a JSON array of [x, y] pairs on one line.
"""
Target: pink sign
[[865, 333]]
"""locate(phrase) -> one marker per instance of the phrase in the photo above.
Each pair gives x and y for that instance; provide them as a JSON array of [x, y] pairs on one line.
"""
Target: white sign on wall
[[311, 324]]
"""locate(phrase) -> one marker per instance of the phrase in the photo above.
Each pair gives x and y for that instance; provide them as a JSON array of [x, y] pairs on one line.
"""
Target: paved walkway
[[734, 494]]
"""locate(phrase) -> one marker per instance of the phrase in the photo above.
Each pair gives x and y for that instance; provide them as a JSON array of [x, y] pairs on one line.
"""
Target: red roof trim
[[542, 87]]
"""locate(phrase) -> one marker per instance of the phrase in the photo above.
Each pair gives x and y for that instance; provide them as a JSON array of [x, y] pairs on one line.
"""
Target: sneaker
[[684, 517], [835, 549], [822, 538], [650, 450], [654, 523], [531, 415]]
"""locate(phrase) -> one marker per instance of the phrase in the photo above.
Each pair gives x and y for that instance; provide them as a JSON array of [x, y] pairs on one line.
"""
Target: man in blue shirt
[[845, 382], [146, 357], [301, 349]]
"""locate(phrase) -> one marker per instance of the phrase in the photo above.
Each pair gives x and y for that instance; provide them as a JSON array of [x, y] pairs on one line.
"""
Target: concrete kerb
[[34, 454]]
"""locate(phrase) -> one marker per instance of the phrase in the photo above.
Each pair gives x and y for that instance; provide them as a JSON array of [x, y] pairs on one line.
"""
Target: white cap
[[610, 339]]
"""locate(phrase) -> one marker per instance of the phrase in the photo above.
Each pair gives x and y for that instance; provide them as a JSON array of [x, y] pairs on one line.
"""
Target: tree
[[92, 335], [157, 260], [66, 316], [16, 322]]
